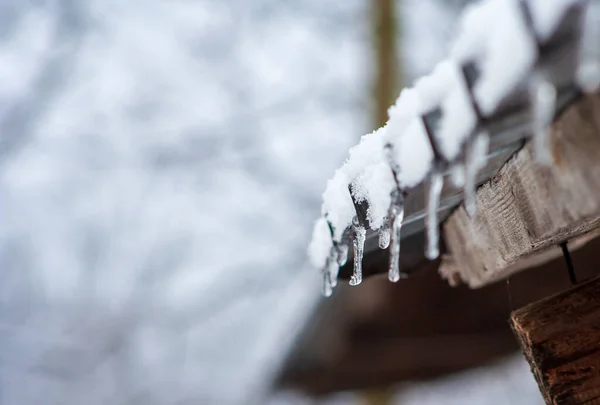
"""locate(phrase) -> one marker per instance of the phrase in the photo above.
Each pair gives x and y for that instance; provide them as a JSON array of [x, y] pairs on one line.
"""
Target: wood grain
[[525, 211], [560, 337]]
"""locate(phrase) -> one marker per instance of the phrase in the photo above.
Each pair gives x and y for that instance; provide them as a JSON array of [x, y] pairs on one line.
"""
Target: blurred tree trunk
[[386, 86], [380, 396], [387, 74]]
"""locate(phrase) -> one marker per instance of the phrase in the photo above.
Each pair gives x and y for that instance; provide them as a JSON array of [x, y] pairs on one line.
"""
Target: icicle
[[333, 266], [457, 175], [588, 69], [327, 288], [359, 246], [476, 154], [397, 216], [342, 255], [384, 234], [436, 182], [542, 95]]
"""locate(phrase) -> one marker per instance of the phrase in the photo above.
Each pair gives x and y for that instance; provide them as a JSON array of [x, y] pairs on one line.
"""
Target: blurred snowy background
[[161, 163]]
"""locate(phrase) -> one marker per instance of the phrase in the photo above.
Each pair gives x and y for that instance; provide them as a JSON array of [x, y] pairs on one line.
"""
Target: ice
[[327, 288], [320, 244], [588, 71], [542, 95], [494, 33], [457, 175], [397, 218], [333, 267], [476, 158], [436, 182], [546, 15], [359, 247], [384, 234]]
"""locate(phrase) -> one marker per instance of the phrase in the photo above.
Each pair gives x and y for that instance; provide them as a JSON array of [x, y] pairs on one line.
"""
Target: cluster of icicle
[[502, 38]]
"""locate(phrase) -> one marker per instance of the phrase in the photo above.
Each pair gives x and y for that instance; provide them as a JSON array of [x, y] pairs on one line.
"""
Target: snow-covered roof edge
[[434, 125]]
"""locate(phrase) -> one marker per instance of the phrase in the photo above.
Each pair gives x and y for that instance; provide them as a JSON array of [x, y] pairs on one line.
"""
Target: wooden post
[[528, 209], [560, 337]]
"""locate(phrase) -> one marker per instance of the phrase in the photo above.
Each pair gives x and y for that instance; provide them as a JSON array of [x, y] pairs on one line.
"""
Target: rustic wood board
[[560, 337], [527, 209]]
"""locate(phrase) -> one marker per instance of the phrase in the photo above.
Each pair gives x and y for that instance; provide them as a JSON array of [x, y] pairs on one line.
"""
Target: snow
[[459, 118], [371, 177], [401, 113], [546, 19], [588, 73], [495, 34], [366, 153], [374, 185], [411, 147], [320, 244], [436, 183], [413, 154], [337, 204]]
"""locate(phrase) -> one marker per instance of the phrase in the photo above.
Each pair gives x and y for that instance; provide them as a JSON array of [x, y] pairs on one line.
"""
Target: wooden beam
[[525, 211], [560, 337]]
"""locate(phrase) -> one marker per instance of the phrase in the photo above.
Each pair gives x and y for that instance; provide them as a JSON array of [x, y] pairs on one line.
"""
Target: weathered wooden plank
[[560, 337], [525, 211]]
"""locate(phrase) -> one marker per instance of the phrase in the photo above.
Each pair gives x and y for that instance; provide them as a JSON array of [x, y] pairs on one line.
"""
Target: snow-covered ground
[[161, 163]]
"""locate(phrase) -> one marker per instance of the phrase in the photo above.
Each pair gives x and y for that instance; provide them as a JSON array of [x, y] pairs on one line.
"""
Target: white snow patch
[[337, 204], [367, 152], [320, 245], [495, 35], [458, 117], [375, 184], [432, 88], [413, 152], [546, 15]]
